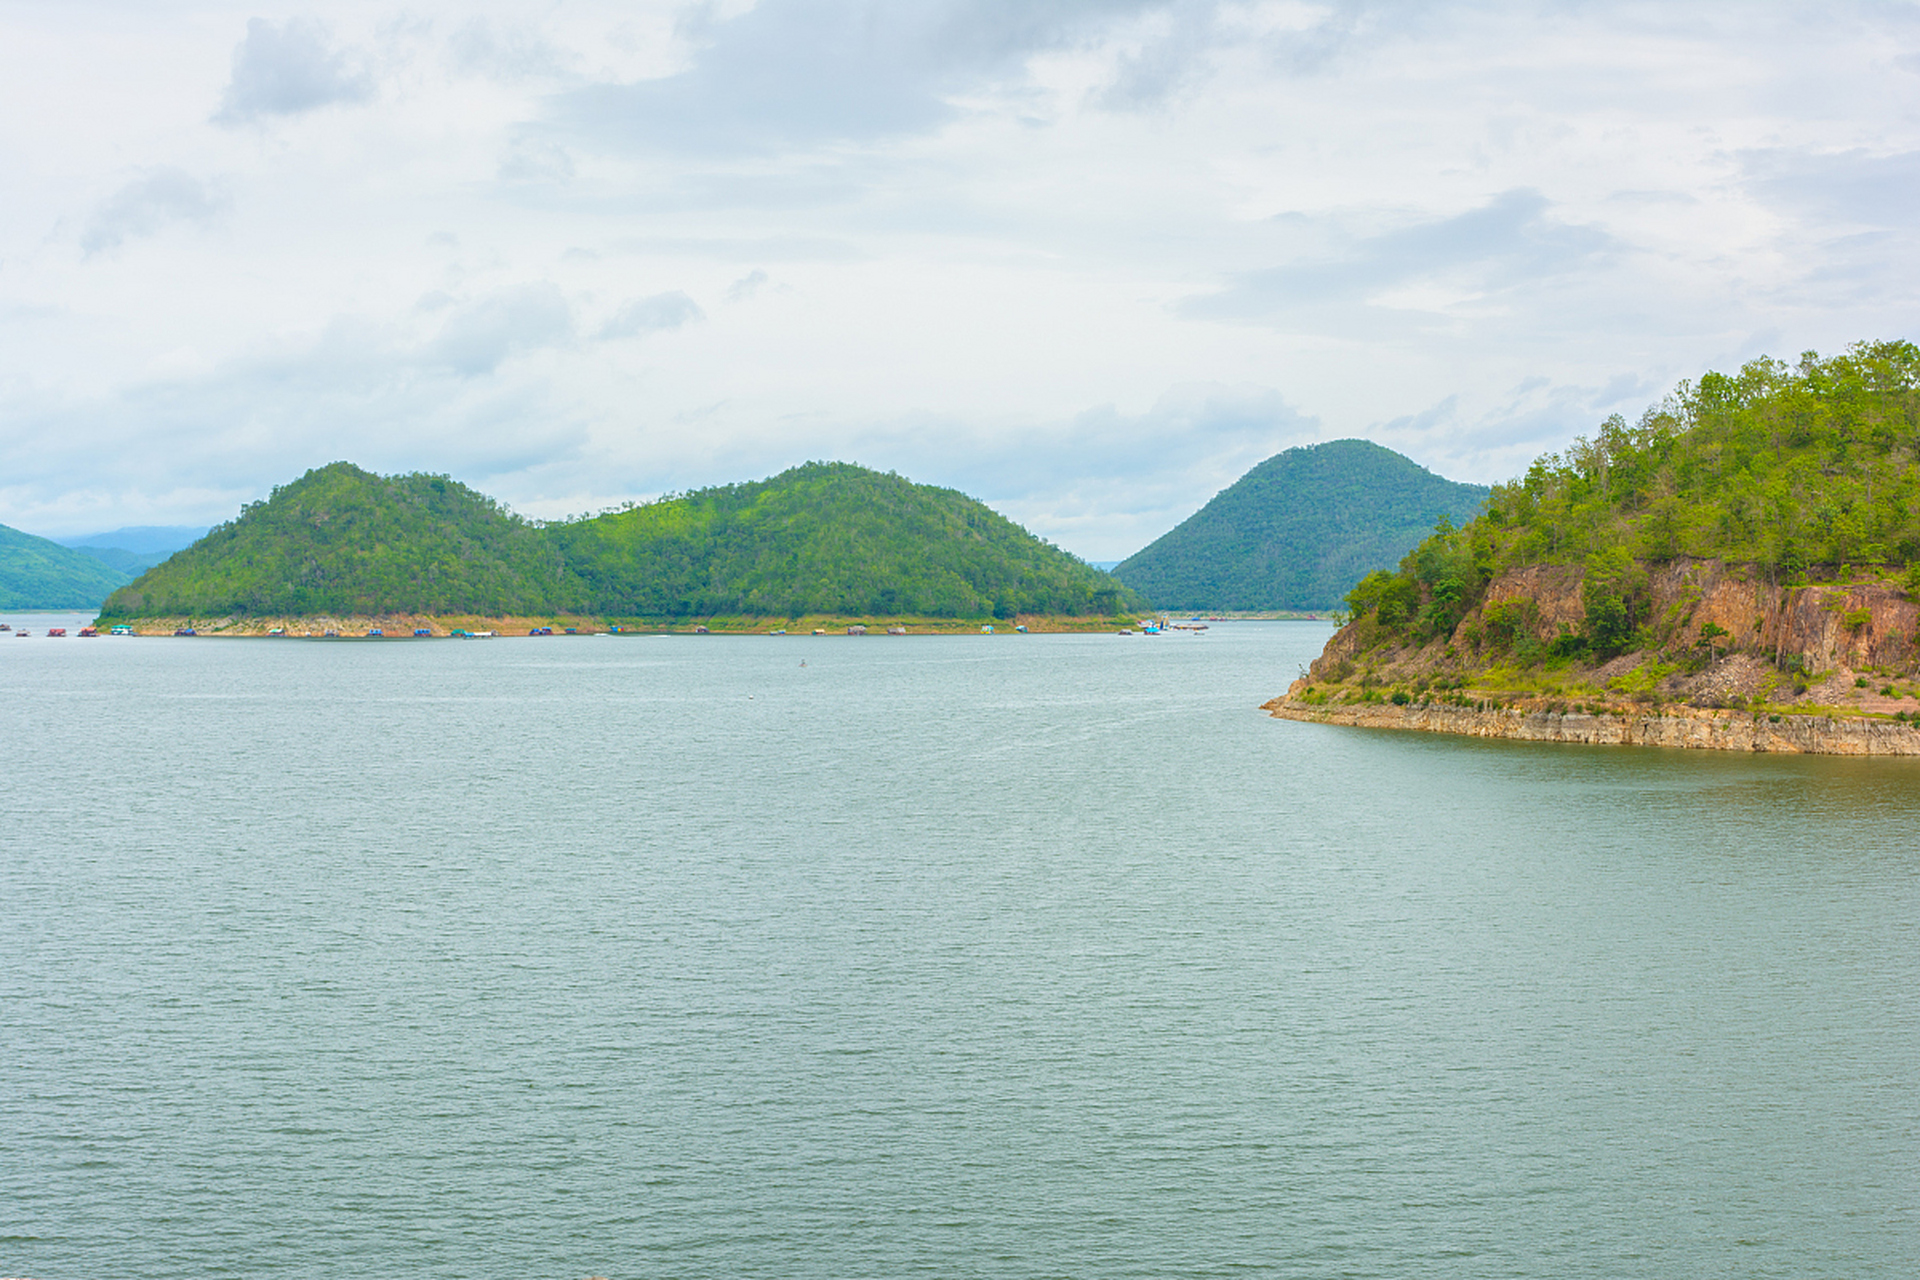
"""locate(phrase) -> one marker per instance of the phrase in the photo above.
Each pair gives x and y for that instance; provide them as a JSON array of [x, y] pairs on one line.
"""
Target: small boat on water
[[87, 632], [422, 631], [122, 630], [56, 631], [896, 631], [276, 631], [375, 631], [539, 631], [185, 631], [23, 633]]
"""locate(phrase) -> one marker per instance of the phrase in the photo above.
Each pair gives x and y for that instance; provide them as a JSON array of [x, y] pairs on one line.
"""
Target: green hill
[[1299, 530], [38, 574], [1799, 471], [827, 537], [340, 540], [824, 538]]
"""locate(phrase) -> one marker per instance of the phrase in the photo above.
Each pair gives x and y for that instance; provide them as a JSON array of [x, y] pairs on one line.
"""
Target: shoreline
[[1687, 728], [402, 626]]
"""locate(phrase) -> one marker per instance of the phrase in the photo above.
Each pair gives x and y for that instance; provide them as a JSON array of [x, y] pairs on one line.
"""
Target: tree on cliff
[[1795, 469]]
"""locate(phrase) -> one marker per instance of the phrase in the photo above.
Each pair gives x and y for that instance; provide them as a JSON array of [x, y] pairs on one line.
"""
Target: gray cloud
[[478, 338], [799, 72], [1849, 186], [510, 54], [747, 285], [654, 314], [148, 204], [1509, 242], [286, 69], [534, 160]]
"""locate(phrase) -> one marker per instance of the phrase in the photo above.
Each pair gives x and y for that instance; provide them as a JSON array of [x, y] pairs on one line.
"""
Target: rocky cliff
[[1726, 658]]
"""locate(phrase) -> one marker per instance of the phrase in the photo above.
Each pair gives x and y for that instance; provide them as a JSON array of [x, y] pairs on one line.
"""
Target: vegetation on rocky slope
[[1753, 542], [1298, 530], [1806, 472]]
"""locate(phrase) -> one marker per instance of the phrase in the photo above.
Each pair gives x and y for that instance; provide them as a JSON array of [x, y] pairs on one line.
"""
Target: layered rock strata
[[1672, 727]]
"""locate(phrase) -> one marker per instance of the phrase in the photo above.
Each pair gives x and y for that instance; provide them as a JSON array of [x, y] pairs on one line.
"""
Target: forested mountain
[[38, 574], [1297, 531], [822, 538], [827, 537], [342, 540], [1800, 471]]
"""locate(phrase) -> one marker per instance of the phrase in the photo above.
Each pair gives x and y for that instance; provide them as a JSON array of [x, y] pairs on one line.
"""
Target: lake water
[[1011, 956]]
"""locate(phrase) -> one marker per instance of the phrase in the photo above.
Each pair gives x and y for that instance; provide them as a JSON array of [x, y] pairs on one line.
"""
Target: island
[[826, 545]]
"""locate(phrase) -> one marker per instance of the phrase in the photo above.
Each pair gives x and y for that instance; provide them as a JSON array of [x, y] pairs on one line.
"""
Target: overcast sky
[[1087, 260]]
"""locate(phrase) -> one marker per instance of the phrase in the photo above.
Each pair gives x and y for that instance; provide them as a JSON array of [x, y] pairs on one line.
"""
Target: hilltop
[[828, 537], [344, 541], [36, 573], [1746, 553], [1298, 530], [823, 539]]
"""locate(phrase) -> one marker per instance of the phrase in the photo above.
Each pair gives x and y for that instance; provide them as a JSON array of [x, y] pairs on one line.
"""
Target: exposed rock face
[[1858, 626], [1755, 666], [1675, 727]]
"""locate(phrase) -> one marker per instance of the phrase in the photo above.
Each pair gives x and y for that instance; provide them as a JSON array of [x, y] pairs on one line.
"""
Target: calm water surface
[[1001, 957]]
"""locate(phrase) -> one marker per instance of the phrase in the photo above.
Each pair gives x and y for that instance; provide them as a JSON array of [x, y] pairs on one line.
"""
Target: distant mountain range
[[136, 547], [822, 538], [1299, 530], [79, 573]]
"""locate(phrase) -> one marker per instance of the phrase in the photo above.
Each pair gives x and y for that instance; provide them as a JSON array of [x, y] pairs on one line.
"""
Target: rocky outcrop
[[1734, 661], [1684, 727]]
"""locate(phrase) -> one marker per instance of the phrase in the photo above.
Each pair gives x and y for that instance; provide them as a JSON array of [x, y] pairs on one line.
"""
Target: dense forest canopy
[[828, 537], [1298, 530], [821, 538], [1799, 469], [342, 540]]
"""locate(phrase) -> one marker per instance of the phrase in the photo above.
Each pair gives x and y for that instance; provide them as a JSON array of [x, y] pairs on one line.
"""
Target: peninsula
[[1736, 570]]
